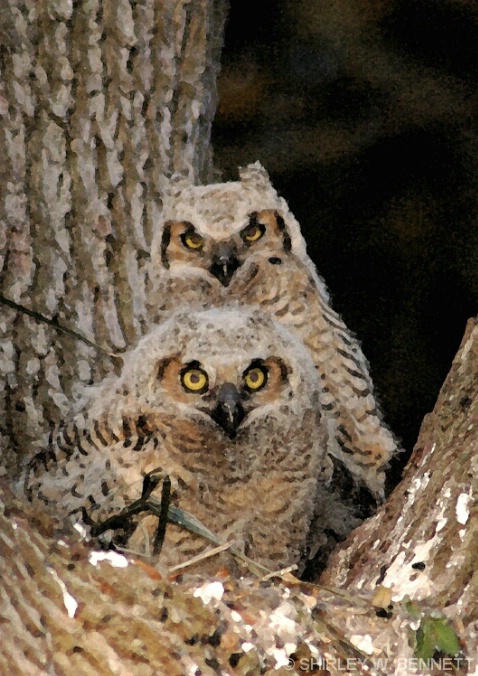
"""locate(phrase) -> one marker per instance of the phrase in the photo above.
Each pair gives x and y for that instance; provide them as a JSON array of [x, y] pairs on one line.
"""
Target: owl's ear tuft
[[255, 175]]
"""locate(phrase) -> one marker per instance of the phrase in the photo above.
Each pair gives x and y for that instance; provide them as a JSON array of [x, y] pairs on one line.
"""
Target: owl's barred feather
[[251, 478], [238, 244]]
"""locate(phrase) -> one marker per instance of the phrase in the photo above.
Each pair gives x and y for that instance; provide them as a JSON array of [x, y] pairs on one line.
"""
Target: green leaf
[[435, 634]]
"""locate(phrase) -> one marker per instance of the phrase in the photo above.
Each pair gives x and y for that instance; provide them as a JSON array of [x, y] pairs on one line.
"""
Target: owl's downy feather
[[238, 243], [226, 404]]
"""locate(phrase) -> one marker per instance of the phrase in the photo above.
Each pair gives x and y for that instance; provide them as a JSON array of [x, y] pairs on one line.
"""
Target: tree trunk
[[99, 102], [423, 543]]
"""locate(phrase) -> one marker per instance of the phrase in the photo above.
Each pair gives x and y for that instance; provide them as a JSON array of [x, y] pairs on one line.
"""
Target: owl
[[237, 243], [223, 402]]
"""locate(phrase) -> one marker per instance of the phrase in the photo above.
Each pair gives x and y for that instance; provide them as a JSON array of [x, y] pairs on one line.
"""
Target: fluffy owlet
[[226, 404], [238, 243]]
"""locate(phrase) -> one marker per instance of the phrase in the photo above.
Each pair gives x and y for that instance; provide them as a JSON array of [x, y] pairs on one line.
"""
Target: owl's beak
[[225, 263], [228, 412]]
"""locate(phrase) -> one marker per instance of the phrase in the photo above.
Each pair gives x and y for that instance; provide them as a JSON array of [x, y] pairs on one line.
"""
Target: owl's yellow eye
[[195, 380], [192, 240], [253, 232], [255, 378]]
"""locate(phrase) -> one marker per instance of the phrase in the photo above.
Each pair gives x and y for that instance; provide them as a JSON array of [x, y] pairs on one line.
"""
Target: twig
[[280, 573], [182, 518], [200, 557], [52, 322]]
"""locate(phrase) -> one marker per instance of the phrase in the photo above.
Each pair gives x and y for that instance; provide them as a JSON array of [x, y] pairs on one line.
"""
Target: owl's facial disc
[[225, 262], [229, 411]]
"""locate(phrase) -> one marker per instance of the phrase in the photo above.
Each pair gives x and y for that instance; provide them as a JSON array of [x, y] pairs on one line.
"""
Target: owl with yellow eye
[[237, 244], [226, 404]]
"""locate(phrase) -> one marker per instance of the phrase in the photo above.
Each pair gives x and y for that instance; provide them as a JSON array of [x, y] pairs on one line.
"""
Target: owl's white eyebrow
[[227, 359]]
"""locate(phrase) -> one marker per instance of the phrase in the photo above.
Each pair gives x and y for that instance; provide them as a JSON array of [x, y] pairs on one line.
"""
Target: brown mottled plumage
[[238, 244], [226, 403]]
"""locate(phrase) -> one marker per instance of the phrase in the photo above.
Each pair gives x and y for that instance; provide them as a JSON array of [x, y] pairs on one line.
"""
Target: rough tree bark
[[423, 543], [99, 101]]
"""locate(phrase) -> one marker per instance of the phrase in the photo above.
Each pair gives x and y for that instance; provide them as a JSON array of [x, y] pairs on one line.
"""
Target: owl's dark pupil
[[194, 238], [254, 376], [194, 378]]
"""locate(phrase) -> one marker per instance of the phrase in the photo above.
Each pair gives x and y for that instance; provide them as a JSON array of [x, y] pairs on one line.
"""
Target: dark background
[[364, 114]]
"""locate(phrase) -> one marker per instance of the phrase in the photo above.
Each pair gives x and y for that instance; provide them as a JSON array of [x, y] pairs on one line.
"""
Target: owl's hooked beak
[[228, 412], [225, 263]]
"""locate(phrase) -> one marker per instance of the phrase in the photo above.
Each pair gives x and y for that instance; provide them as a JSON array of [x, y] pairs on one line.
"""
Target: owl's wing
[[83, 460], [358, 435], [361, 440]]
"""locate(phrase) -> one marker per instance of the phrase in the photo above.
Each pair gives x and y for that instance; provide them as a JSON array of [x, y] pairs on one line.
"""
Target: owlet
[[238, 243], [226, 404]]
